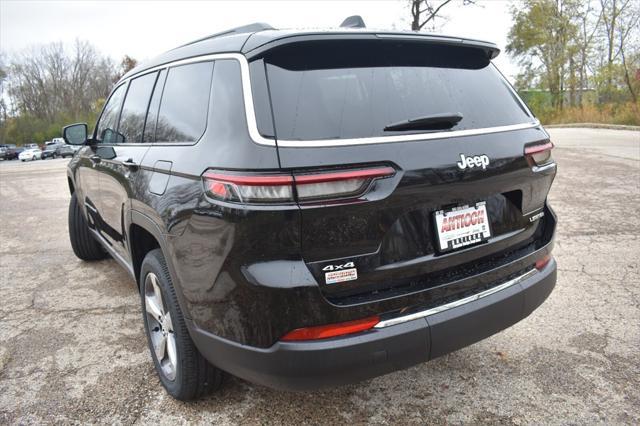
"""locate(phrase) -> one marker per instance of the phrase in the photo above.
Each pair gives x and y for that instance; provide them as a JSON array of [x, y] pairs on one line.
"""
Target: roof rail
[[250, 28], [354, 21]]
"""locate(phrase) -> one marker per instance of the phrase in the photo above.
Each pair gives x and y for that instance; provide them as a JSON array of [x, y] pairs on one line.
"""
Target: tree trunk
[[611, 33], [415, 14], [572, 83], [627, 79]]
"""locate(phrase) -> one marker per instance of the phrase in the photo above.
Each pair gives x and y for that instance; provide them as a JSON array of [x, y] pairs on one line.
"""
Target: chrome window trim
[[457, 303], [255, 135], [246, 87], [404, 138]]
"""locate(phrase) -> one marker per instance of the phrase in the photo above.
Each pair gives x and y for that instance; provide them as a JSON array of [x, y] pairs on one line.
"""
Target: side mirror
[[75, 134]]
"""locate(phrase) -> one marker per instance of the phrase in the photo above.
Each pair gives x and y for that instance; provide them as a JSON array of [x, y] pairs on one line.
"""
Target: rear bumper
[[331, 362]]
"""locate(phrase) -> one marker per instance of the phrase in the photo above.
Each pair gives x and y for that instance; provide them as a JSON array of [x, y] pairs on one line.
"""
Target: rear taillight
[[539, 153], [338, 184], [331, 330], [249, 188], [286, 188]]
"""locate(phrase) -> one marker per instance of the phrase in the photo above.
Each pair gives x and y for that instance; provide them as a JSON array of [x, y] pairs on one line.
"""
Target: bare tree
[[588, 22], [51, 80], [626, 33], [619, 18], [426, 11]]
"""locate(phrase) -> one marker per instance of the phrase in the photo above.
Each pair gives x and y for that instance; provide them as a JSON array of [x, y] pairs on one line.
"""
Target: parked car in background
[[31, 146], [13, 152], [30, 154], [50, 150], [54, 150], [66, 150], [3, 150]]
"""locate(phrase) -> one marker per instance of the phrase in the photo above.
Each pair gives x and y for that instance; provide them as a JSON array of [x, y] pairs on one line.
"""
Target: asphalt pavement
[[72, 348]]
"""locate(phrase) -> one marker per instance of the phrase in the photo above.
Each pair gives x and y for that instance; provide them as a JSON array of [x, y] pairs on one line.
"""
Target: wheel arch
[[145, 235], [71, 181], [72, 187]]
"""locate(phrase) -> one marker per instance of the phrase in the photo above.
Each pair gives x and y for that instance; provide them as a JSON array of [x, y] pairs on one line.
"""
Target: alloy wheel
[[160, 326]]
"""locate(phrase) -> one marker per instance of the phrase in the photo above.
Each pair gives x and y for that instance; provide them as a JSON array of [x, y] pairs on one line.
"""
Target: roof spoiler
[[354, 21]]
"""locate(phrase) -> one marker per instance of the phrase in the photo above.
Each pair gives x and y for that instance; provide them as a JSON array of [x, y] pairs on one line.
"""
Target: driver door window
[[108, 125]]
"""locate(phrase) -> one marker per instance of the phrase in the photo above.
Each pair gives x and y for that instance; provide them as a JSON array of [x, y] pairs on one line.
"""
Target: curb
[[593, 126]]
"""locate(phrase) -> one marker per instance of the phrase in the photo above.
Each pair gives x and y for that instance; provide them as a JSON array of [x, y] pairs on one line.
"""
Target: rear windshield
[[334, 90]]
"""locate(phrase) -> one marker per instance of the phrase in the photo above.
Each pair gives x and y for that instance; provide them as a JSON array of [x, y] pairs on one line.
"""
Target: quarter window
[[185, 101], [135, 106]]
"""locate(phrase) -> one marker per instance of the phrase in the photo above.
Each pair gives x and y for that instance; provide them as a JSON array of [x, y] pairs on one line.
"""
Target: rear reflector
[[331, 330], [279, 187], [541, 263], [540, 153]]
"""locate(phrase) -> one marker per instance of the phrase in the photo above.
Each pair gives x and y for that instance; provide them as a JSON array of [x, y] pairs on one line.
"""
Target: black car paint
[[57, 150], [249, 274], [12, 152]]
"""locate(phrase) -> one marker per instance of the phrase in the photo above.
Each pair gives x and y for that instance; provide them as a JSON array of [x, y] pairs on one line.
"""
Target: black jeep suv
[[311, 208]]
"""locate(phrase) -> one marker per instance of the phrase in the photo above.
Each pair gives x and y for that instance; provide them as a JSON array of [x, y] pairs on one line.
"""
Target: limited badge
[[536, 217]]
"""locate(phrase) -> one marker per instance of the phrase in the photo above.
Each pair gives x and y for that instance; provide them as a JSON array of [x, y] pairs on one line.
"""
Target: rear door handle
[[130, 164], [95, 159]]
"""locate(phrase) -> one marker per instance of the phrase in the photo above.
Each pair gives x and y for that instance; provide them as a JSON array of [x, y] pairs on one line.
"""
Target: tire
[[33, 158], [185, 375], [83, 244]]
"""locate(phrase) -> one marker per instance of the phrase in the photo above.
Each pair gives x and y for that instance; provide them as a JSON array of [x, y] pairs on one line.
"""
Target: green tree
[[3, 105], [542, 39]]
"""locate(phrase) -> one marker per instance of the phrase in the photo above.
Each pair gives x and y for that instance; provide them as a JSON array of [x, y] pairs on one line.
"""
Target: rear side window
[[184, 106], [107, 127], [355, 89], [135, 106]]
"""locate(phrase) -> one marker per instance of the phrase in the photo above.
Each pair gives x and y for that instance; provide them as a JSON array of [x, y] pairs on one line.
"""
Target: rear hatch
[[459, 197]]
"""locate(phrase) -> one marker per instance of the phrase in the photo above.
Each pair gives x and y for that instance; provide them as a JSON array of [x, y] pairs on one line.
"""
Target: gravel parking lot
[[72, 346]]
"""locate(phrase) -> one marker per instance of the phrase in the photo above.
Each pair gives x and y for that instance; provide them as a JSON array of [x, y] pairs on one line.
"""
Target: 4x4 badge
[[339, 267], [471, 162]]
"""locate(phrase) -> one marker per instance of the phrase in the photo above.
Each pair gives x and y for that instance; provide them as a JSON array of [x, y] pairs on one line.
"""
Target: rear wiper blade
[[442, 121]]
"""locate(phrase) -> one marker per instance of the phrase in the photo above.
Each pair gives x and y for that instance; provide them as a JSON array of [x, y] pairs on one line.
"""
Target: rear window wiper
[[442, 121]]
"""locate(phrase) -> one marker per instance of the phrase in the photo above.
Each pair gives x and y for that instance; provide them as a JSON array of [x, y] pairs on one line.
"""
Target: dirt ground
[[72, 348]]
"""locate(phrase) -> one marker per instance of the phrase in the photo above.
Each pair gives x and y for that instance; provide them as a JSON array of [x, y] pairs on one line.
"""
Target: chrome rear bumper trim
[[457, 303]]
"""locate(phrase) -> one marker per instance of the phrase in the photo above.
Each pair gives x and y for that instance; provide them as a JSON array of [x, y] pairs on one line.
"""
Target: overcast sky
[[143, 29]]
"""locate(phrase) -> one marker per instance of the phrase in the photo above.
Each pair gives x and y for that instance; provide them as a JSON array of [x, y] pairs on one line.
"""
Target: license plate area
[[462, 226]]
